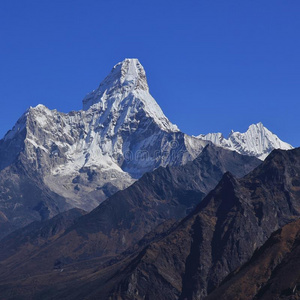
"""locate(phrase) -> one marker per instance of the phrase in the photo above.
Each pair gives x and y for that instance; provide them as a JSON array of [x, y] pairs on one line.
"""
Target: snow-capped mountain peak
[[124, 77], [256, 141], [86, 155], [124, 93], [132, 74], [82, 157]]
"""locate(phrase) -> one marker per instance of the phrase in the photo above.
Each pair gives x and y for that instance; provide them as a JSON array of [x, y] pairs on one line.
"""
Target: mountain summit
[[124, 77], [124, 92]]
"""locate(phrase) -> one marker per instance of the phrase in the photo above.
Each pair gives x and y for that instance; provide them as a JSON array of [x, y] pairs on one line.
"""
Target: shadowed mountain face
[[158, 199], [185, 260], [273, 272], [37, 234], [167, 193], [25, 198], [220, 235]]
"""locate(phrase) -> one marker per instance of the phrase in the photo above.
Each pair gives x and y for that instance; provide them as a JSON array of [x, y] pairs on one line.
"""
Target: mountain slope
[[38, 233], [186, 260], [159, 198], [272, 273], [257, 141], [25, 198], [220, 235]]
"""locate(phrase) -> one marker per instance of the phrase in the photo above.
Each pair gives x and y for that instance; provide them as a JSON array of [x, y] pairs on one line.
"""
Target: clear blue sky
[[212, 65]]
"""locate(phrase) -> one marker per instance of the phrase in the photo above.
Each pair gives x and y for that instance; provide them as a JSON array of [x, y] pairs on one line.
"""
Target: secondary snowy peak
[[256, 141], [124, 93]]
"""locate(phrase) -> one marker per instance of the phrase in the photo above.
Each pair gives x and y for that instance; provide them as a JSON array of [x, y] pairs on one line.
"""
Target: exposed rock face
[[272, 273], [257, 141]]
